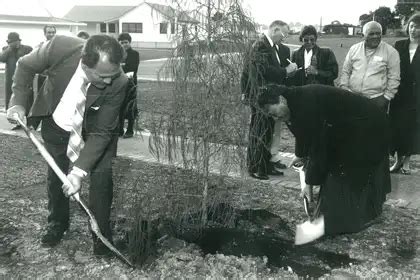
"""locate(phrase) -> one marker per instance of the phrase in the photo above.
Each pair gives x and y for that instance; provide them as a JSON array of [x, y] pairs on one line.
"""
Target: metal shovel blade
[[51, 162]]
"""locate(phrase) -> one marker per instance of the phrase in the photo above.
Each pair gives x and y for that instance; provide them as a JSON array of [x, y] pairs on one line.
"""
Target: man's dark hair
[[414, 18], [278, 23], [101, 43], [49, 26], [308, 30], [83, 34], [124, 36]]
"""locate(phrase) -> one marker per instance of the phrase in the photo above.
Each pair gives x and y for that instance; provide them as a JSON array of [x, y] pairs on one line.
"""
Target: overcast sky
[[264, 11]]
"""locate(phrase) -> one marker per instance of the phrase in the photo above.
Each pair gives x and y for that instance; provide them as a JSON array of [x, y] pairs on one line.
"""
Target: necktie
[[76, 142], [276, 52]]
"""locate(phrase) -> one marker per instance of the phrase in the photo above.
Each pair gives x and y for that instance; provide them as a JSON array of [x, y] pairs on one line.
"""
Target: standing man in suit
[[79, 107], [130, 64], [265, 63], [10, 55]]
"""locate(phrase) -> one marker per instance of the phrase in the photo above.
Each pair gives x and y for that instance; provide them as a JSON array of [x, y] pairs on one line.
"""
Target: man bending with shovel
[[79, 108], [343, 138]]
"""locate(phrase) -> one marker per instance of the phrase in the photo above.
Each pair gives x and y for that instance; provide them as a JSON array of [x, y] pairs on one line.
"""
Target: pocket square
[[96, 108]]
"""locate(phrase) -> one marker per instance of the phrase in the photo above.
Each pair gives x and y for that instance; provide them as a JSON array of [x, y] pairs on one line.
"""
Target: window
[[132, 27], [172, 27], [163, 28], [111, 27], [103, 27]]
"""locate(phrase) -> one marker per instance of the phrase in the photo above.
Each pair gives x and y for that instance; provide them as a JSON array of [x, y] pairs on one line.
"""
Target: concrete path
[[405, 188]]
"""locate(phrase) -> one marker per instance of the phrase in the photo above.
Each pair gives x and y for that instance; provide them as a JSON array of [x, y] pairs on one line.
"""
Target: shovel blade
[[309, 231]]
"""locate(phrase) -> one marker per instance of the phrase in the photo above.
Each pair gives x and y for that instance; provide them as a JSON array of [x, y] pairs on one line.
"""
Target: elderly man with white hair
[[372, 67]]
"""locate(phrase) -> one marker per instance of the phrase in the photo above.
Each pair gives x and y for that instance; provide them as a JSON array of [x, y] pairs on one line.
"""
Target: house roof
[[97, 13], [37, 20], [110, 13], [170, 13]]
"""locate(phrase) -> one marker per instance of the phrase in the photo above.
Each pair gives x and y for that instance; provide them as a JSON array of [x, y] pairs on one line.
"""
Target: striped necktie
[[76, 142]]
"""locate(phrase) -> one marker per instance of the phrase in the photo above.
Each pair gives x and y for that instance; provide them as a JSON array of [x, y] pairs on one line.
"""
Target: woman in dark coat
[[318, 65], [344, 139], [405, 107]]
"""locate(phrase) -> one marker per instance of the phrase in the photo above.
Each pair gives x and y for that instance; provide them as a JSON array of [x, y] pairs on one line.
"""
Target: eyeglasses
[[307, 40]]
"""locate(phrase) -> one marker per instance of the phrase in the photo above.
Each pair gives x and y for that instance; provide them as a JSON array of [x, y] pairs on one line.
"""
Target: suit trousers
[[260, 136], [101, 184]]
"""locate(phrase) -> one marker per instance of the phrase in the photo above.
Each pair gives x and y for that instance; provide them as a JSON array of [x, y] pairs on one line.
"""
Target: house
[[30, 28], [150, 25], [342, 29]]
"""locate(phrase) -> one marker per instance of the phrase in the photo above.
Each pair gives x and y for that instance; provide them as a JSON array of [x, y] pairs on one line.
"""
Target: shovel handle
[[46, 155]]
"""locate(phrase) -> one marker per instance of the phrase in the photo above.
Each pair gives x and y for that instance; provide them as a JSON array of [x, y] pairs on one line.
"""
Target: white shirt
[[272, 45], [307, 57], [412, 49], [65, 109]]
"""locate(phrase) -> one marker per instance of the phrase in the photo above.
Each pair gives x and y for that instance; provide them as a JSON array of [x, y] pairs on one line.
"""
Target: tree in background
[[365, 18], [204, 125], [405, 9], [384, 16]]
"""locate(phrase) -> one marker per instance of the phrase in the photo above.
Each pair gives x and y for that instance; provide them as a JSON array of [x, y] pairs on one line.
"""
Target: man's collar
[[269, 39]]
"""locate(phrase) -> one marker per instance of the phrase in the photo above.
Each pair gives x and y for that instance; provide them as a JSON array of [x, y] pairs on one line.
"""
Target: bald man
[[372, 67]]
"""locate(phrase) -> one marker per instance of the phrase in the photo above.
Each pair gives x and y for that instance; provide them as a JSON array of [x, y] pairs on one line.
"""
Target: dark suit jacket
[[10, 57], [262, 68], [60, 58], [326, 64], [132, 63], [405, 99], [336, 129]]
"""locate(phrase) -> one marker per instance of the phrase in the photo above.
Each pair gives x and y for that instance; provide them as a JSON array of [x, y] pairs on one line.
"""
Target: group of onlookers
[[343, 135]]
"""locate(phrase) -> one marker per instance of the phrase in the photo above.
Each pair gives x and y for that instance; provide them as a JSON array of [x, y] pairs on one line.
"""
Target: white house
[[30, 28], [150, 25]]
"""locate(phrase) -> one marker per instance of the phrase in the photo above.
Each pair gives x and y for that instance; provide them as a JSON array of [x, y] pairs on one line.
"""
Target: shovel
[[51, 162], [313, 228]]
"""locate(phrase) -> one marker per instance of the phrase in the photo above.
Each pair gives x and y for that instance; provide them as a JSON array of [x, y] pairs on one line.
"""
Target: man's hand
[[381, 101], [291, 69], [297, 162], [76, 184], [14, 111], [308, 192], [311, 70]]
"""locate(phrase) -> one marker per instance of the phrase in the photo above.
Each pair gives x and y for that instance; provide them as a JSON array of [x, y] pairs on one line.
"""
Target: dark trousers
[[260, 136], [130, 125], [101, 185]]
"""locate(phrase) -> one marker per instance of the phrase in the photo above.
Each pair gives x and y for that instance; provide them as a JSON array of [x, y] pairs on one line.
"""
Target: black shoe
[[276, 172], [259, 175], [53, 236], [128, 135], [278, 165]]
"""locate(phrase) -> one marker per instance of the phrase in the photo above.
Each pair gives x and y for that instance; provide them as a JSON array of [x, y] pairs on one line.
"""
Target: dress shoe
[[259, 176], [53, 235], [128, 135], [276, 172], [278, 165]]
